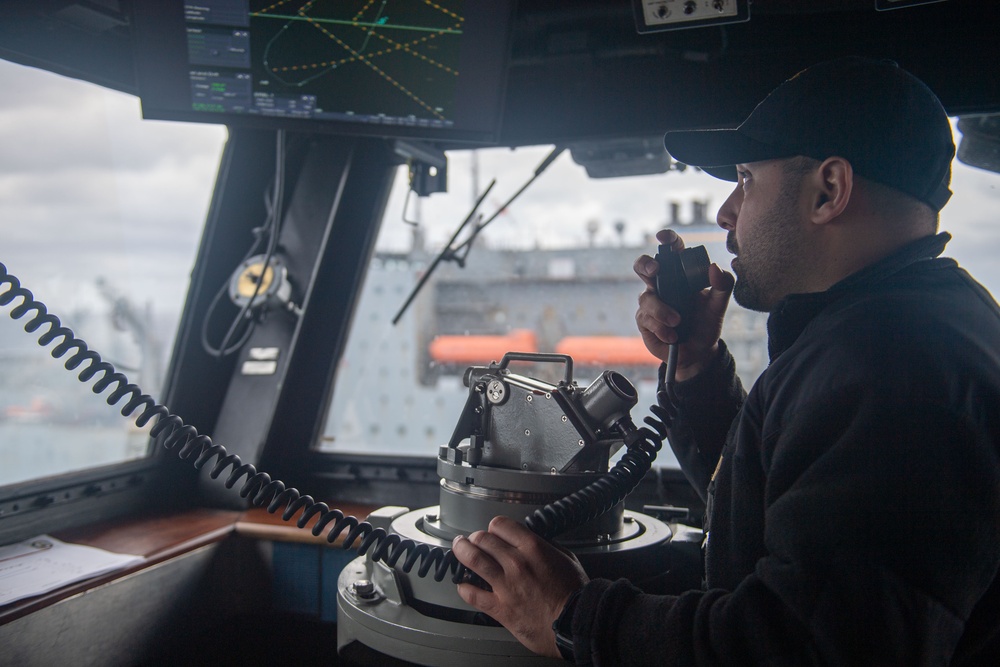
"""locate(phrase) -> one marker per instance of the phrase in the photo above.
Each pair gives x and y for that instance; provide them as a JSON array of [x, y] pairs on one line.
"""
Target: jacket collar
[[795, 311]]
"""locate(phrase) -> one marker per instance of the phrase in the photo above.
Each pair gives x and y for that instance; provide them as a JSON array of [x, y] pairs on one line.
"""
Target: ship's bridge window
[[552, 272], [102, 213]]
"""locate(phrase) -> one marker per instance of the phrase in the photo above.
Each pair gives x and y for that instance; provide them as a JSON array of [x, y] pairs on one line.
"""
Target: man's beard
[[746, 292], [764, 268]]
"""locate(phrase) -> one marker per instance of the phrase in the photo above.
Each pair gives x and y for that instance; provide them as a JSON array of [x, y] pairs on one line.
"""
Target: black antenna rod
[[452, 253], [467, 244], [445, 252]]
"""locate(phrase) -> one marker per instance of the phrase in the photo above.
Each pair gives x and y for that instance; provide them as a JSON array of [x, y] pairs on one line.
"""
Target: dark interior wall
[[593, 75], [140, 618], [580, 70]]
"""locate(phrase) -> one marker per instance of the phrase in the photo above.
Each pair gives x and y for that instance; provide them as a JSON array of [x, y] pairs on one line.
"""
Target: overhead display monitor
[[430, 69]]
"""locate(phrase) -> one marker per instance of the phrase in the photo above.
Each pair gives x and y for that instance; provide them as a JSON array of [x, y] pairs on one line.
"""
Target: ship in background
[[399, 388]]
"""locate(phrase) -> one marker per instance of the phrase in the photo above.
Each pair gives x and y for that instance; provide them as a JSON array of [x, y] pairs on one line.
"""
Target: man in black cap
[[854, 494]]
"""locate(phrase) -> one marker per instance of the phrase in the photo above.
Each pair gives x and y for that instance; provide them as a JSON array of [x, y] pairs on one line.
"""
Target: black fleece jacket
[[854, 512]]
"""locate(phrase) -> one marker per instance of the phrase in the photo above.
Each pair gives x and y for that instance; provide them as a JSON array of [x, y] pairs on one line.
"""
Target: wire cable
[[274, 206], [174, 435]]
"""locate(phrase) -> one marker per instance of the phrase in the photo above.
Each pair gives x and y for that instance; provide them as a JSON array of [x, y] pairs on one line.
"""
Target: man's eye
[[744, 176]]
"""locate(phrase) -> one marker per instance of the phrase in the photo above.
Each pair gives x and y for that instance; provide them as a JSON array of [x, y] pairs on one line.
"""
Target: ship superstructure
[[400, 388]]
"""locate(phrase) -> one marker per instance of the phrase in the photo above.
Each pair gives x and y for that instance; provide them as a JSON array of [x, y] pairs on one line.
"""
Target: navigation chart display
[[392, 67]]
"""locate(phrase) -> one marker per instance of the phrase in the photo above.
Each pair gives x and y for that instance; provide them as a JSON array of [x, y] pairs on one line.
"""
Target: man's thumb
[[722, 283]]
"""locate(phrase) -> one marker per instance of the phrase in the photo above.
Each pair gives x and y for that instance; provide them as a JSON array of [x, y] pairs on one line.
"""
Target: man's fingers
[[720, 280], [470, 552], [531, 580], [722, 283], [506, 549], [494, 544], [658, 311], [646, 268], [670, 238], [657, 334], [511, 532], [477, 597], [654, 331]]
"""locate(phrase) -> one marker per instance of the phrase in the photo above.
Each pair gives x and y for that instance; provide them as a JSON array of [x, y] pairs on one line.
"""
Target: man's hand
[[531, 580], [657, 321]]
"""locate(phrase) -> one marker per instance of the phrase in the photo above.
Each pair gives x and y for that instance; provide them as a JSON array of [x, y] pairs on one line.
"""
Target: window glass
[[101, 215], [551, 273]]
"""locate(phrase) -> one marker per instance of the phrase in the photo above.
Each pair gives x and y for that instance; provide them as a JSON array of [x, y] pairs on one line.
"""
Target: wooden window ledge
[[160, 538]]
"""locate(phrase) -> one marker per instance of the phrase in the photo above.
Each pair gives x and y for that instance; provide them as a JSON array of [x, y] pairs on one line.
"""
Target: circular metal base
[[389, 626], [425, 622]]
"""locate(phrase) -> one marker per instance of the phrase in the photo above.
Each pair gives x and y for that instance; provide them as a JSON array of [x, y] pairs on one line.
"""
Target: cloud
[[88, 189], [52, 123]]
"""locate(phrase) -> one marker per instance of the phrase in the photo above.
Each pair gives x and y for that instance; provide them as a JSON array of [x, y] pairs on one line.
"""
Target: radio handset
[[681, 274]]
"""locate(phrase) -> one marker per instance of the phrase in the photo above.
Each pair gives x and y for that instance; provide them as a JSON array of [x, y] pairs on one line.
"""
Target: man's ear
[[833, 183]]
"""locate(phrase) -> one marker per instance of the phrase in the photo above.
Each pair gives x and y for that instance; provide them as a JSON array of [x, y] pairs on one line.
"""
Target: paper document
[[43, 564]]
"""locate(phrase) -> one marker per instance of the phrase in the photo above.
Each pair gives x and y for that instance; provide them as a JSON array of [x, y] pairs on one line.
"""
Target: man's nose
[[730, 209]]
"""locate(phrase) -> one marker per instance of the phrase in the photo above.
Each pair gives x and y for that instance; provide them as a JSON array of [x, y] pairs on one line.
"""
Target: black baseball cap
[[886, 122]]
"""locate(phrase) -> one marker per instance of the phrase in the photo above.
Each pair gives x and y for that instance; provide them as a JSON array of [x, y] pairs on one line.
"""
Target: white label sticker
[[259, 367], [264, 353]]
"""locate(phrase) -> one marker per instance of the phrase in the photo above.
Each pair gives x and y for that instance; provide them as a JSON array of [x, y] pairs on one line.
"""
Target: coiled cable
[[601, 495], [574, 510]]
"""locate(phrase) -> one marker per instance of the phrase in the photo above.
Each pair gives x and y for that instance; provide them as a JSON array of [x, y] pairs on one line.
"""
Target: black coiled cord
[[598, 497], [187, 442], [551, 520]]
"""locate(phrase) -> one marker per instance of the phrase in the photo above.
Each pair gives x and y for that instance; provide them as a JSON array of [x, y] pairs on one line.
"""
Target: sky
[[88, 188], [556, 208]]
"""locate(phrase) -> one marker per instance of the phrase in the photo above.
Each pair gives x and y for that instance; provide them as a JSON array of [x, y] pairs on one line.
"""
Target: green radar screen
[[394, 57]]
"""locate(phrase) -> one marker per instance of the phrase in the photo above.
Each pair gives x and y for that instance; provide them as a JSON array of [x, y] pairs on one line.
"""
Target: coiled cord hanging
[[642, 445], [574, 510], [189, 444]]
